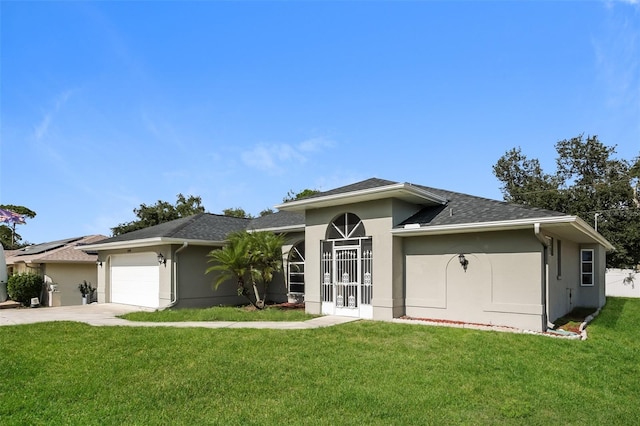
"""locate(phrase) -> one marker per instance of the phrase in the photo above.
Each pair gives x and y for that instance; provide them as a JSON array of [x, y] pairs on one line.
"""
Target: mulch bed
[[571, 322], [282, 306]]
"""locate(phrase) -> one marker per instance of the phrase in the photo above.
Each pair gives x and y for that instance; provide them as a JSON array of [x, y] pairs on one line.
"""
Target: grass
[[359, 373], [222, 313]]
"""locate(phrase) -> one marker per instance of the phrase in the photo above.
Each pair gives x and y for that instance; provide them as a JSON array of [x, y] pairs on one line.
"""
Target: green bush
[[22, 287]]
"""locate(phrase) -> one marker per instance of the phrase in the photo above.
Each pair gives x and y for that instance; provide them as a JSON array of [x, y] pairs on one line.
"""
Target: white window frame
[[292, 264], [583, 263]]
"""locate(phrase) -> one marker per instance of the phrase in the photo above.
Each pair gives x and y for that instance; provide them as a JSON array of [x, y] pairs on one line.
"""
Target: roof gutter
[[411, 230], [459, 228], [149, 242]]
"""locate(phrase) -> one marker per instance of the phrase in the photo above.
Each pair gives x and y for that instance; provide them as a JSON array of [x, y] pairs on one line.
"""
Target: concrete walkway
[[105, 314]]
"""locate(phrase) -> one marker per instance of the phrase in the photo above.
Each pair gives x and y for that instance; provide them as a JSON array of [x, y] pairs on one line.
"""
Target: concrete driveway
[[94, 314], [104, 314]]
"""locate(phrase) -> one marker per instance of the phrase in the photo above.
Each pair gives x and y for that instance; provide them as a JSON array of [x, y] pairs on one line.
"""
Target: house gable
[[368, 190]]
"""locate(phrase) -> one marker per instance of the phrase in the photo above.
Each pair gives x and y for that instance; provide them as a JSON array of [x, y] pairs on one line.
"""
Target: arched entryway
[[347, 268]]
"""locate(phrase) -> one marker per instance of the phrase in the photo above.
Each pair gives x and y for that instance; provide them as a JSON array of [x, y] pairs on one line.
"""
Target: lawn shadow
[[572, 320], [611, 312]]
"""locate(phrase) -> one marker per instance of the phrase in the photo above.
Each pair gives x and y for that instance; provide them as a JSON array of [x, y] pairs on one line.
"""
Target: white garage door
[[135, 279]]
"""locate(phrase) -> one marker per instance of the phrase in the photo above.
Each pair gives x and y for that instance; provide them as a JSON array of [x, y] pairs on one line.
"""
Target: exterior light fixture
[[99, 263], [161, 259], [463, 261]]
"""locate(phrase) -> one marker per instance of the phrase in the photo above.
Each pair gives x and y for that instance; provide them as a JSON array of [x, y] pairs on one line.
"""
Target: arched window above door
[[345, 226]]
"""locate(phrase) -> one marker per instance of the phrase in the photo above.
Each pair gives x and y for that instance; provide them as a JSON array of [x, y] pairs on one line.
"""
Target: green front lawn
[[359, 373], [222, 313]]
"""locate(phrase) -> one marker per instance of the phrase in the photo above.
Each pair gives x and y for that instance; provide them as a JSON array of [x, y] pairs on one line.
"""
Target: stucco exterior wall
[[563, 277], [196, 289], [378, 218], [502, 284], [67, 277], [565, 290], [23, 268], [594, 296], [187, 266]]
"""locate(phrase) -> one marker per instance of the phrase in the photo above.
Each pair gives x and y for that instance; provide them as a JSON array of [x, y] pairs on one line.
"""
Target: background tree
[[9, 238], [161, 212], [237, 212], [266, 212], [292, 196], [588, 182], [251, 259]]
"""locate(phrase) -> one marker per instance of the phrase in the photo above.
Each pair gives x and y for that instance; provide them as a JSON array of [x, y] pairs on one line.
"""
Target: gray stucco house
[[379, 249]]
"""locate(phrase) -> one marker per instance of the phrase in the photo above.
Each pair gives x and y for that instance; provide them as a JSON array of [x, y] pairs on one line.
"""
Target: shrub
[[22, 287]]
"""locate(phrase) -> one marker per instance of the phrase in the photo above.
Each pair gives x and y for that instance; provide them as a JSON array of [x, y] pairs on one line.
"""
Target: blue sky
[[107, 105]]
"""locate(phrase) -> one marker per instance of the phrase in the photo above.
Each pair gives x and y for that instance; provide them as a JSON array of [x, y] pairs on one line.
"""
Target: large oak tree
[[161, 212], [588, 182]]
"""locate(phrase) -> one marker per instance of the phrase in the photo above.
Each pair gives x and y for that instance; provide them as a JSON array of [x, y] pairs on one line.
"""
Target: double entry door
[[347, 279]]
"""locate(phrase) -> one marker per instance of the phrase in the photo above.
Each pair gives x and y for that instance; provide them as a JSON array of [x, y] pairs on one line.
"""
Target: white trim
[[593, 264], [279, 229], [148, 242], [573, 221], [398, 190]]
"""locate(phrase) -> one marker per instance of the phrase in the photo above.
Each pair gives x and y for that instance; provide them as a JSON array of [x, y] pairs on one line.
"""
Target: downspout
[[174, 266], [545, 276], [106, 274]]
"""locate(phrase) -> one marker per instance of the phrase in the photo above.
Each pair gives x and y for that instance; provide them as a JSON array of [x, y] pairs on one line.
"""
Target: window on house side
[[296, 269], [559, 258], [586, 267]]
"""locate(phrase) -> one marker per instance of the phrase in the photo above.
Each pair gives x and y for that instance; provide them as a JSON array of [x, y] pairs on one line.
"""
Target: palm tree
[[251, 258], [232, 262], [266, 260]]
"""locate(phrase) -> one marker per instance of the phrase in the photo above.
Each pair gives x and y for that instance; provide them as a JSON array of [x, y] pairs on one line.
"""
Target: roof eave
[[150, 242], [412, 230], [404, 191], [279, 229]]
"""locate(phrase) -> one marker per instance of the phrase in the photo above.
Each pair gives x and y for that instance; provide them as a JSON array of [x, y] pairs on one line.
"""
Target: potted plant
[[87, 291]]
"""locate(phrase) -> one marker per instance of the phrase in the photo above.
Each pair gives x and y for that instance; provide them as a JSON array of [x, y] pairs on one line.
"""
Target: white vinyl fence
[[622, 283]]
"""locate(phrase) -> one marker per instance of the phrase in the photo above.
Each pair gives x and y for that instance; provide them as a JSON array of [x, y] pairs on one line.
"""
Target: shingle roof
[[202, 226], [460, 208], [464, 208], [281, 219], [61, 251], [358, 186]]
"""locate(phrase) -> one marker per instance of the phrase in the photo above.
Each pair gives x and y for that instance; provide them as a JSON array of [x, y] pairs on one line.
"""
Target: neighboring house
[[379, 249], [63, 263]]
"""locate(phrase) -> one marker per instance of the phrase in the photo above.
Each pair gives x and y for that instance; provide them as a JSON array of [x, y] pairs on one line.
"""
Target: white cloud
[[609, 3], [42, 128], [617, 52], [315, 144], [275, 158], [271, 158]]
